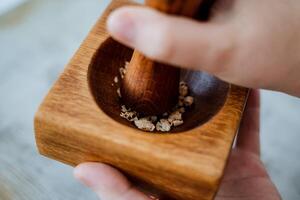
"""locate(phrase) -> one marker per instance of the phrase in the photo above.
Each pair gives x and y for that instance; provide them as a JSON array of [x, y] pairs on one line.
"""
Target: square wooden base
[[71, 128]]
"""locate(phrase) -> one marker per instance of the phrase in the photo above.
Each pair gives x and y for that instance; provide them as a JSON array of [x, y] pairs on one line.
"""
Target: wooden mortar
[[79, 121]]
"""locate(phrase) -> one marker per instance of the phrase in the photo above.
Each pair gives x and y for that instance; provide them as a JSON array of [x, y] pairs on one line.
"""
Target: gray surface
[[37, 40]]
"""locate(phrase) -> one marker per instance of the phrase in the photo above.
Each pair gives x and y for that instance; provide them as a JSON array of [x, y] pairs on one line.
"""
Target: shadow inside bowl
[[209, 92]]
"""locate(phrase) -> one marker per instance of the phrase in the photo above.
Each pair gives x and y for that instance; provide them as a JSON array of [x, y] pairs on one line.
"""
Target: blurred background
[[37, 39]]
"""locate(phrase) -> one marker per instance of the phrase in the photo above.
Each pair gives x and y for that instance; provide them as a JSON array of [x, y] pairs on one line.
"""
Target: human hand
[[245, 175], [250, 43]]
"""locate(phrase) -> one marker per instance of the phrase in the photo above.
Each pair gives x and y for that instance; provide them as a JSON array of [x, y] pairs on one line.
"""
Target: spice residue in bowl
[[163, 123]]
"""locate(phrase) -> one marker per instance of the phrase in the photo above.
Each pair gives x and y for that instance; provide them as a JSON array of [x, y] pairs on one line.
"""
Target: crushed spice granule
[[119, 93], [116, 79], [175, 116], [144, 124], [129, 115], [126, 64], [163, 125], [122, 72], [176, 123], [183, 89], [188, 101]]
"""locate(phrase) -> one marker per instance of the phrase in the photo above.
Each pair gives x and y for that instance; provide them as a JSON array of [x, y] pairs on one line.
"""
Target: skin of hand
[[245, 175], [254, 43]]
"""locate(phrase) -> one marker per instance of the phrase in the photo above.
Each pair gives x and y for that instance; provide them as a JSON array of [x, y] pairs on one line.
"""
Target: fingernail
[[121, 25]]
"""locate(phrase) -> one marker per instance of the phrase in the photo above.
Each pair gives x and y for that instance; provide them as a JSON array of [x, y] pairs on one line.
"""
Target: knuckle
[[223, 55], [163, 45]]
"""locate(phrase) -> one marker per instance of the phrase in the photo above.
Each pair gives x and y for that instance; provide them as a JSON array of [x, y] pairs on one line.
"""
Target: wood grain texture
[[72, 128], [203, 87], [150, 87]]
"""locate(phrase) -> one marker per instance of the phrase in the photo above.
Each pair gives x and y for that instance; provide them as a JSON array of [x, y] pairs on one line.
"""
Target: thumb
[[107, 182], [174, 40]]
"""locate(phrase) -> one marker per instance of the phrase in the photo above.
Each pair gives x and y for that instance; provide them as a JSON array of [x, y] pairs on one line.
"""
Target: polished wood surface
[[150, 87], [78, 122], [203, 87]]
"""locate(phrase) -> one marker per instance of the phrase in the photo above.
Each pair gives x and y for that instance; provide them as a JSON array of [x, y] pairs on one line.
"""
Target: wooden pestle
[[149, 87]]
